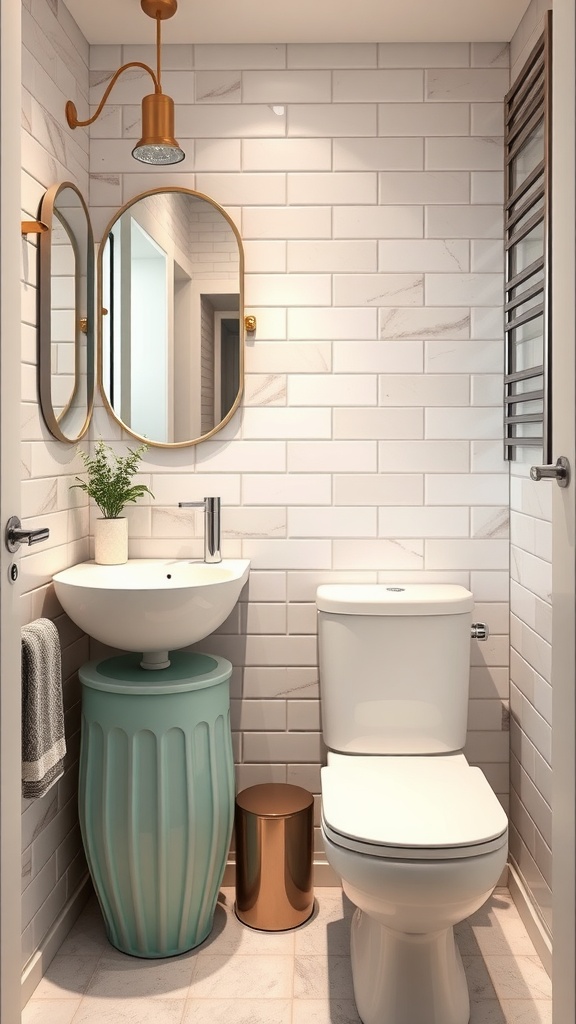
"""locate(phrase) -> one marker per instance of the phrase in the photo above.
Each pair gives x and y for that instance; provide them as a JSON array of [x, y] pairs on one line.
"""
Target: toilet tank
[[394, 666]]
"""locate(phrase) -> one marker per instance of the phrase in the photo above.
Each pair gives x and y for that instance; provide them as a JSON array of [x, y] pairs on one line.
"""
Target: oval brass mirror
[[66, 298], [171, 339]]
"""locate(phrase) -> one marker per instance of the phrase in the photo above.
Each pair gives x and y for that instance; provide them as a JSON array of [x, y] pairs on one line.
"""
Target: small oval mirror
[[170, 275], [66, 357]]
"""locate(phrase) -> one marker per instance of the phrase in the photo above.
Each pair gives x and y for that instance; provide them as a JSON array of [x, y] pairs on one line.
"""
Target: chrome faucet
[[211, 508]]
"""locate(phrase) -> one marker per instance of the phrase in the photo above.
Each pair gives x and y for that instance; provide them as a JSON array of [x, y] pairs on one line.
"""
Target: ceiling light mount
[[162, 9], [157, 145]]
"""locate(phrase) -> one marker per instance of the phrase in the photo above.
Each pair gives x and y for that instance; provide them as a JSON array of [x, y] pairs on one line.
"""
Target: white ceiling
[[304, 21]]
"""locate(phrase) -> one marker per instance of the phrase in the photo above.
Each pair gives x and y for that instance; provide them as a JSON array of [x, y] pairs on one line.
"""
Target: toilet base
[[407, 979]]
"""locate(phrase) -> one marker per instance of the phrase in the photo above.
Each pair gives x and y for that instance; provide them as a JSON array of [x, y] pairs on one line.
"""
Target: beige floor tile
[[497, 929], [479, 981], [67, 977], [87, 936], [49, 1011], [327, 933], [238, 1011], [322, 977], [500, 898], [230, 936], [323, 1011], [527, 1011], [499, 902], [129, 1011], [511, 1011], [126, 977], [519, 977], [487, 1011], [509, 939], [241, 977], [466, 940]]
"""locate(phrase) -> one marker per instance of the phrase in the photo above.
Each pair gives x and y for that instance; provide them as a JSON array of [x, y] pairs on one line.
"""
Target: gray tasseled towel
[[43, 743]]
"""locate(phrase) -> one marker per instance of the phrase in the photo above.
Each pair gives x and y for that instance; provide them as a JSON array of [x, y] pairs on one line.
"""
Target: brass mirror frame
[[100, 355], [46, 215]]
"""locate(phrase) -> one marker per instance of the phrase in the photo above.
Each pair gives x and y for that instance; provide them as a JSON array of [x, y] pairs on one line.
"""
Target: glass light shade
[[158, 145], [158, 154]]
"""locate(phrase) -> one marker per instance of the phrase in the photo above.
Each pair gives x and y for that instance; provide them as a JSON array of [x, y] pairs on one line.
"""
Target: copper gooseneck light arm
[[72, 112]]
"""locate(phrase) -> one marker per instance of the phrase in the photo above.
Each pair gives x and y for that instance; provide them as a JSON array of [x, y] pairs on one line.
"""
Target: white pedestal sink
[[151, 605]]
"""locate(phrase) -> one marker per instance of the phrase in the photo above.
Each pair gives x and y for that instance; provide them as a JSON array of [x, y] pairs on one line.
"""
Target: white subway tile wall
[[531, 634], [55, 68], [366, 183]]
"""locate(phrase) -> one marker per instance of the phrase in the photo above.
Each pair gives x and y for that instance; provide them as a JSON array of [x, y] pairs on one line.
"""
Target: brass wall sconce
[[157, 145]]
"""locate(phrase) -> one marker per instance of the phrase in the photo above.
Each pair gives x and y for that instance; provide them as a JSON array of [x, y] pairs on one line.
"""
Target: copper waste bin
[[274, 841]]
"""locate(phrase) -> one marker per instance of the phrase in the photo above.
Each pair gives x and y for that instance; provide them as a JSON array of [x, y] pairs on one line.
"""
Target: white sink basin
[[151, 605]]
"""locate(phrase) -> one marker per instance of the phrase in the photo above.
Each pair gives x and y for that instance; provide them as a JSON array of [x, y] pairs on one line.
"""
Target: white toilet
[[417, 835]]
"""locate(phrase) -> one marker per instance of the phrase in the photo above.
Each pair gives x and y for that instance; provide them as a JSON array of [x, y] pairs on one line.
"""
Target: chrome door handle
[[560, 472], [14, 535]]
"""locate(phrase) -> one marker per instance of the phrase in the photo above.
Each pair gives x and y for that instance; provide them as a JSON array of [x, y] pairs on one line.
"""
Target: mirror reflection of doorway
[[225, 338], [219, 356], [229, 361], [149, 352], [137, 375]]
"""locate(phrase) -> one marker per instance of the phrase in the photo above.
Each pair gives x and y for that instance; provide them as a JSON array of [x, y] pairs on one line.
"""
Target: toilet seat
[[411, 808]]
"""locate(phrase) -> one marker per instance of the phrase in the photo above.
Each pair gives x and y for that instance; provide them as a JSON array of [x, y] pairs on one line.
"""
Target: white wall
[[366, 182], [527, 34], [530, 636], [54, 69], [563, 514]]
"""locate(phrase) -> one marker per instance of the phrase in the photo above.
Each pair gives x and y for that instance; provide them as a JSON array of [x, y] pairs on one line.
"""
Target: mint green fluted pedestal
[[156, 797]]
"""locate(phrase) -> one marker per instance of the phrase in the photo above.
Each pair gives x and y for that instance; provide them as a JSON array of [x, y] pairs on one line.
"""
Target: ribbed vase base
[[156, 797], [151, 951]]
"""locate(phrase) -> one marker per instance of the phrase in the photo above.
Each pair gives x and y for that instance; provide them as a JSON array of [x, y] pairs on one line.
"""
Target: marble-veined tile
[[325, 1011], [264, 389], [119, 976], [238, 1011], [480, 985], [67, 977], [526, 1011], [87, 936], [519, 977], [322, 977], [50, 1011], [235, 977], [327, 933], [488, 1011], [106, 1010]]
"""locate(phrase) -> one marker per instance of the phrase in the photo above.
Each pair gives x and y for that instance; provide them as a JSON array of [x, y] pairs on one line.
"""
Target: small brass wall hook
[[250, 323], [33, 227]]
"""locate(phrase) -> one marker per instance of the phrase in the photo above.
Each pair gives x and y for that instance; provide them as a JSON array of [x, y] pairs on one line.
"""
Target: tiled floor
[[239, 976]]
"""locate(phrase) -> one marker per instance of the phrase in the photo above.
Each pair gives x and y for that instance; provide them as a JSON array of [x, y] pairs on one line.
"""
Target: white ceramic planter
[[111, 541]]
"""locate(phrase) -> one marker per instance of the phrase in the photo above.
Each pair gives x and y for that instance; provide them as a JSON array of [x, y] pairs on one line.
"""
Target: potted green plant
[[110, 484]]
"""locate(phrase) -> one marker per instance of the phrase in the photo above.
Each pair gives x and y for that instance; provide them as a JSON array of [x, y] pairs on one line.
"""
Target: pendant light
[[157, 145]]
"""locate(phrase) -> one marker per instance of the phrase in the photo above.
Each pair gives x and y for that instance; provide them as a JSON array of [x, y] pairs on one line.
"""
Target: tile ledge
[[531, 920]]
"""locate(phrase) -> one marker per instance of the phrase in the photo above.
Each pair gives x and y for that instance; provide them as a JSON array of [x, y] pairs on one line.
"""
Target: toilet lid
[[414, 804]]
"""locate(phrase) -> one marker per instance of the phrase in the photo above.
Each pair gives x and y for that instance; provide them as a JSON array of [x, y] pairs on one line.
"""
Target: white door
[[10, 756], [563, 568]]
